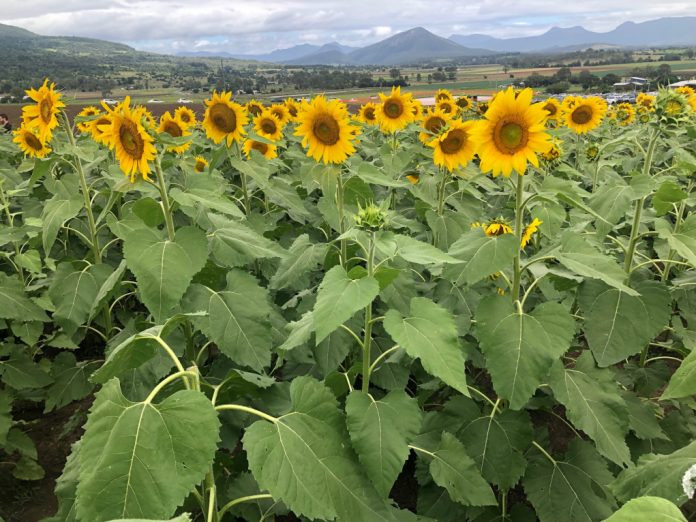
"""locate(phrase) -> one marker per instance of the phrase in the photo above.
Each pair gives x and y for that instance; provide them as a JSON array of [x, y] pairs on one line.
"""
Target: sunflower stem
[[367, 340], [341, 219], [441, 191], [677, 224], [166, 208], [519, 210]]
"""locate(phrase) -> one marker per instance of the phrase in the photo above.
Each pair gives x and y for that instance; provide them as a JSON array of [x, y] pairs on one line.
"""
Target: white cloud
[[260, 26]]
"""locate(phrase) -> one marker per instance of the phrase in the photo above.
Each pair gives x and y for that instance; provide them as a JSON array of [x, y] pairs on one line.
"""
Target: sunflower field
[[467, 312]]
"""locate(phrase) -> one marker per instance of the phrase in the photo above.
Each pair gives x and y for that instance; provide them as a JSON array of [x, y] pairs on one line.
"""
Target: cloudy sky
[[256, 26]]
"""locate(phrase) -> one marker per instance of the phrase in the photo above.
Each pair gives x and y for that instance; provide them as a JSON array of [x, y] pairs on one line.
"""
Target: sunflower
[[685, 90], [130, 141], [87, 113], [224, 119], [583, 114], [417, 109], [625, 114], [293, 108], [267, 125], [433, 123], [30, 142], [454, 147], [185, 116], [201, 164], [645, 102], [281, 112], [44, 115], [98, 127], [395, 110], [495, 228], [326, 130], [464, 103], [448, 107], [254, 107], [413, 179], [529, 230], [512, 133], [147, 118], [175, 128], [443, 94], [482, 108], [267, 150], [553, 108], [554, 152], [368, 113]]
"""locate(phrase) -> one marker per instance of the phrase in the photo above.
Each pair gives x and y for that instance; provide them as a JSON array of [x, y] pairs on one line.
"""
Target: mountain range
[[419, 44]]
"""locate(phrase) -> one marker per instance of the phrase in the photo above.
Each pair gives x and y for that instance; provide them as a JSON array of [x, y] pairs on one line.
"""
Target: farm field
[[292, 311]]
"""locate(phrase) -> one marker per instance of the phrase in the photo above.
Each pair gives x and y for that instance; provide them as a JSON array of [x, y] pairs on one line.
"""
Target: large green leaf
[[593, 404], [141, 460], [683, 381], [573, 489], [164, 268], [381, 431], [56, 211], [66, 488], [14, 303], [304, 460], [520, 348], [453, 469], [647, 509], [70, 381], [338, 299], [295, 269], [238, 318], [656, 475], [235, 244], [415, 251], [611, 202], [618, 325], [74, 291], [683, 241], [497, 443], [481, 255], [429, 333], [20, 371]]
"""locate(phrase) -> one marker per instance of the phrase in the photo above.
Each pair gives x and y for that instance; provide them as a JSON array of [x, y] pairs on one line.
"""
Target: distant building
[[684, 83], [631, 84]]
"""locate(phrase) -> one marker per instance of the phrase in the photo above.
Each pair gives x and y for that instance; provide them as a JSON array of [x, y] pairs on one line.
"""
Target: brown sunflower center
[[550, 108], [200, 166], [434, 124], [280, 113], [255, 110], [326, 129], [259, 146], [130, 139], [442, 96], [393, 108], [268, 126], [581, 115], [185, 117], [223, 117], [292, 110], [33, 141], [454, 142], [510, 136], [173, 129], [45, 107], [446, 108], [369, 113]]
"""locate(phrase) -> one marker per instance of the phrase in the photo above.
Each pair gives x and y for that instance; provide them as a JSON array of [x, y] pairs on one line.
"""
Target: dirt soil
[[53, 434]]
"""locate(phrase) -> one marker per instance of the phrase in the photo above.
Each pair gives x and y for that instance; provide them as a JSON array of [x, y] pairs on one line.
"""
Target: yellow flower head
[[685, 90], [185, 116], [175, 128], [454, 147], [44, 115], [201, 164], [326, 130], [645, 102], [254, 107], [554, 152], [512, 133], [583, 114], [434, 122], [224, 119], [448, 107], [267, 125], [293, 109], [553, 108], [529, 231], [464, 103], [416, 109], [30, 143], [443, 94], [88, 113], [413, 179], [267, 150], [98, 128], [395, 110], [495, 228], [625, 114], [368, 114], [281, 112]]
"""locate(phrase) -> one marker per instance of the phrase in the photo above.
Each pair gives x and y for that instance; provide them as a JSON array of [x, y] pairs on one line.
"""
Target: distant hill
[[662, 32], [327, 57]]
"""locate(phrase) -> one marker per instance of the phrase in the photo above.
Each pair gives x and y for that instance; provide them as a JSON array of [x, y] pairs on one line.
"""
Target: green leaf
[[70, 381], [421, 253], [683, 242], [181, 518], [429, 333], [339, 298], [593, 404], [643, 417], [107, 288], [573, 489], [74, 291], [57, 210], [656, 475], [453, 469], [683, 381], [14, 303], [497, 443], [482, 256], [238, 318], [611, 202], [303, 459], [647, 509], [380, 431], [295, 269], [21, 372], [164, 268], [5, 415], [66, 488], [666, 196], [520, 348], [584, 259], [235, 244], [618, 325], [143, 459]]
